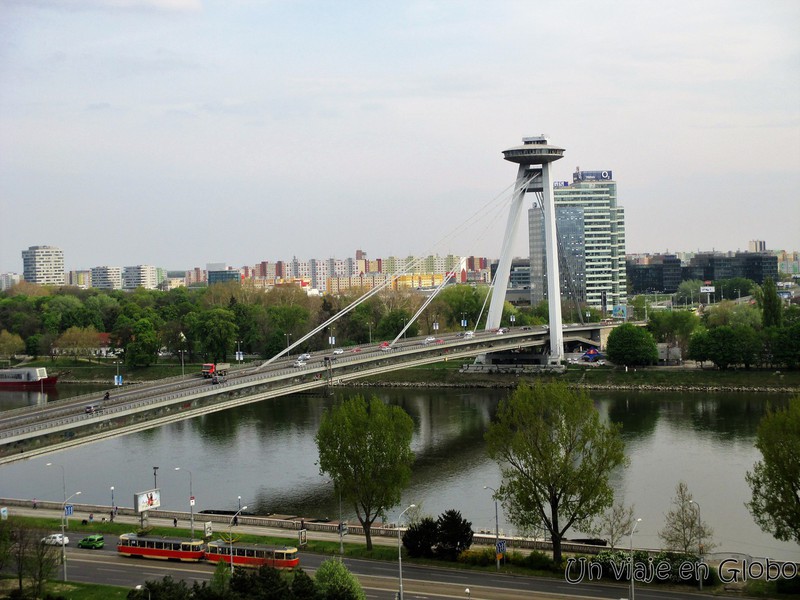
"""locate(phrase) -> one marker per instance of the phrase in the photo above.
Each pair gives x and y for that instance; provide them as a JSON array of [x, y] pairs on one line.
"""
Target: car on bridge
[[429, 340], [305, 356], [299, 363], [338, 351]]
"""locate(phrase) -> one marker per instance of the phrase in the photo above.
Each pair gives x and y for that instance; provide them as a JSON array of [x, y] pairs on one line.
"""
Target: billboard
[[707, 289], [620, 311], [592, 176], [144, 501]]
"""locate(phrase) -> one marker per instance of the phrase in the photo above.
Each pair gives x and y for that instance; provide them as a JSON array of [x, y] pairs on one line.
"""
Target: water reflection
[[266, 454]]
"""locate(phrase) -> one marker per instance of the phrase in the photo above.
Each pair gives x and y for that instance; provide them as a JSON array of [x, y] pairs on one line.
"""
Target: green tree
[[556, 457], [673, 327], [10, 344], [303, 587], [78, 341], [216, 330], [613, 524], [631, 345], [775, 480], [334, 581], [772, 304], [683, 530], [722, 347], [142, 350], [365, 447], [454, 534], [688, 292]]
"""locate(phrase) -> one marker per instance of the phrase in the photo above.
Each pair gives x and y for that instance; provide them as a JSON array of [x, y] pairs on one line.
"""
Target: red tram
[[181, 549], [163, 548], [252, 555]]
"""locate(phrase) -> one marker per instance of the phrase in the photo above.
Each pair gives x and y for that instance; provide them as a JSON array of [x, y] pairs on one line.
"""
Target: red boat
[[25, 378]]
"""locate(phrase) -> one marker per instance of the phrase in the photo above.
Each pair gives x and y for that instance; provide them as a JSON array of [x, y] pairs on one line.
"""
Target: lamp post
[[699, 540], [140, 587], [631, 559], [288, 335], [399, 552], [369, 325], [341, 526], [230, 534], [155, 478], [112, 498], [191, 501], [240, 502], [239, 351], [183, 365], [63, 539], [496, 527], [513, 319]]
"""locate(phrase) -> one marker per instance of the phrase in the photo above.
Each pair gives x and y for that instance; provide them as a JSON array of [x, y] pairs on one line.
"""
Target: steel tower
[[534, 158]]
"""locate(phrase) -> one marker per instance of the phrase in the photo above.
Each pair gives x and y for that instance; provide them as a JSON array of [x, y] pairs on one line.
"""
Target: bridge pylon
[[534, 175]]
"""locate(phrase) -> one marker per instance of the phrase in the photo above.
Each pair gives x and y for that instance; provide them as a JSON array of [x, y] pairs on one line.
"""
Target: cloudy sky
[[181, 132]]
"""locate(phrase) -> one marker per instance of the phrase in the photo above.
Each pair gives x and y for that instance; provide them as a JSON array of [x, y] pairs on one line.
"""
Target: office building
[[43, 265], [590, 227]]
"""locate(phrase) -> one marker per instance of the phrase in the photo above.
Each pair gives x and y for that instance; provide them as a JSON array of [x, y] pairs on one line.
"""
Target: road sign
[[208, 528], [501, 547], [4, 513], [191, 501], [343, 529], [68, 510]]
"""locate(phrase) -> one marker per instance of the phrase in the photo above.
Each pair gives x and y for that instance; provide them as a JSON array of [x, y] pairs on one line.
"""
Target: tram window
[[279, 556], [251, 552]]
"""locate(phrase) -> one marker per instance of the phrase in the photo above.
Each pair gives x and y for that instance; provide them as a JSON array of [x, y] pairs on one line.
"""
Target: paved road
[[379, 578]]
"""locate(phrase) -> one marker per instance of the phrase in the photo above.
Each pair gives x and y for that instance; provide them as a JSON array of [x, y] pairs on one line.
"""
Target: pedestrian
[[91, 518], [302, 523], [175, 522], [116, 510], [111, 517], [235, 520], [34, 503]]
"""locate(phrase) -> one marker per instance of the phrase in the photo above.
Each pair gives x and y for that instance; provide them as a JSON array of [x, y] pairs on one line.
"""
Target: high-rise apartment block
[[146, 276], [107, 278], [43, 265], [591, 241]]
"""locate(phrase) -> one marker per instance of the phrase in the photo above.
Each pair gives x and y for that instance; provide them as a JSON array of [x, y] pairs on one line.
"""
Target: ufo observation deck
[[534, 151]]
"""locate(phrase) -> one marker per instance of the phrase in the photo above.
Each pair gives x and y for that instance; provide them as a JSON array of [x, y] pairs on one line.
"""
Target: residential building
[[81, 279], [757, 246], [43, 265], [8, 280], [145, 276], [107, 278]]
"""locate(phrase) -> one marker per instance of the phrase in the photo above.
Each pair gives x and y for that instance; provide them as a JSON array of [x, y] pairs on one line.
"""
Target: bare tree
[[683, 530], [41, 563], [614, 523]]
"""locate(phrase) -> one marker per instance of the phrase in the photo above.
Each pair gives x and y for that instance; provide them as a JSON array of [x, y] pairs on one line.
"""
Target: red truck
[[211, 369]]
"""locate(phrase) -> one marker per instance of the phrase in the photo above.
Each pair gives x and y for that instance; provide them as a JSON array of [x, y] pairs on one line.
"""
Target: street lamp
[[112, 498], [699, 540], [369, 325], [631, 559], [63, 539], [496, 527], [239, 351], [230, 534], [141, 587], [191, 501], [288, 335], [399, 553], [513, 319], [155, 478]]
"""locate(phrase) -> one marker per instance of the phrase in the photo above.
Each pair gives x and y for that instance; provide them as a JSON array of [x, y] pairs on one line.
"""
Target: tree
[[775, 480], [365, 447], [10, 344], [555, 456], [631, 345], [334, 581], [673, 327], [78, 341], [454, 534], [772, 304], [303, 587], [613, 524], [421, 537], [217, 333], [142, 350], [683, 530]]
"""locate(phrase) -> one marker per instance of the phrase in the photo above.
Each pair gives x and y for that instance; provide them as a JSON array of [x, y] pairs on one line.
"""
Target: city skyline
[[178, 132]]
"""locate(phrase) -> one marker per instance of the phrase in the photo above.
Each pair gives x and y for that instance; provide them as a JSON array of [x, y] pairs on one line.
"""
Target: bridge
[[36, 430]]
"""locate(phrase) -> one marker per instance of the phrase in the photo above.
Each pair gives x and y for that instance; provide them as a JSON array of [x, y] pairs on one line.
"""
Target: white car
[[429, 340], [338, 351], [55, 539], [299, 363], [304, 357]]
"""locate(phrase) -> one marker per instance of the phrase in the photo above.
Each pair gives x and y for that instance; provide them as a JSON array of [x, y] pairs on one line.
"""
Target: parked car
[[92, 541], [55, 539]]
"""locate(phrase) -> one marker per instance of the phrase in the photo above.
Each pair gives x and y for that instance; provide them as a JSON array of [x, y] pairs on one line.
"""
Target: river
[[265, 453]]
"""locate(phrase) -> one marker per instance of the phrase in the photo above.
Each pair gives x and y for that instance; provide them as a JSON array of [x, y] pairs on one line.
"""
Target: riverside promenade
[[286, 526]]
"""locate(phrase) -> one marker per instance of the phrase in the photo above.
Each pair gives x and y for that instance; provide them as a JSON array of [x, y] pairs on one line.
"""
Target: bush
[[455, 534], [482, 557], [420, 538]]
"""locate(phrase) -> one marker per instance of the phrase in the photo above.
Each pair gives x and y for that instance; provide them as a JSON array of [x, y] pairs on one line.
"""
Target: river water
[[265, 453]]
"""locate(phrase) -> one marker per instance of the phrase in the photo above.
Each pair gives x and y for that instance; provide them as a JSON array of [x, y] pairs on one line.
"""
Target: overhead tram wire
[[503, 196]]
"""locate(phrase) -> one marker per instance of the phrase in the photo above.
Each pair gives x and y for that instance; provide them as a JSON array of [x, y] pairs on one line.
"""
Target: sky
[[181, 132]]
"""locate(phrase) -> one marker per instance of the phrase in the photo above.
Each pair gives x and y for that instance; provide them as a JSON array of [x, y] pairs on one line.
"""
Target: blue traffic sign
[[68, 510], [501, 547]]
